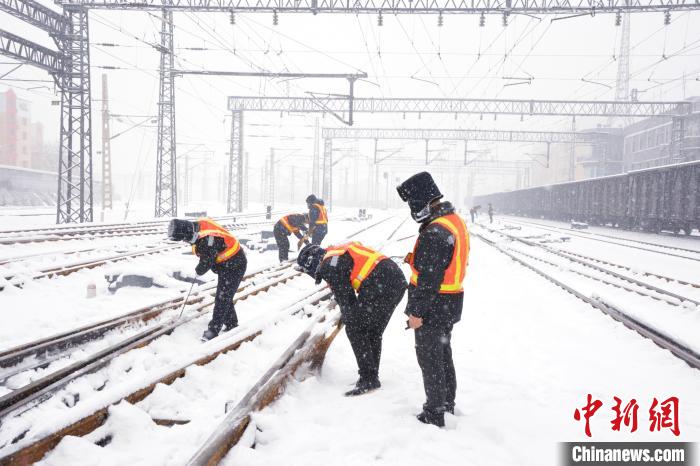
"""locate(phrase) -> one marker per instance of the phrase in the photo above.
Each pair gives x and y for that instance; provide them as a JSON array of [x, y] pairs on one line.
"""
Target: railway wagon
[[653, 199]]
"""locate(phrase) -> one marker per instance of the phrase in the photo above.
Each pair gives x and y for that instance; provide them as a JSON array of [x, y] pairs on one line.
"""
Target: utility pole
[[271, 178], [106, 149], [166, 169], [236, 176], [316, 161]]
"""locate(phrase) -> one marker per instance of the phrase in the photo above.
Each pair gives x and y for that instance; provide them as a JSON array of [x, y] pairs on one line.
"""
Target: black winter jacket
[[433, 256], [208, 248], [337, 274], [295, 220]]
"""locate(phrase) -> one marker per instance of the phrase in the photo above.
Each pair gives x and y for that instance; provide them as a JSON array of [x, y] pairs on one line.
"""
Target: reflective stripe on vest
[[208, 227], [322, 215], [287, 225], [364, 260], [456, 271]]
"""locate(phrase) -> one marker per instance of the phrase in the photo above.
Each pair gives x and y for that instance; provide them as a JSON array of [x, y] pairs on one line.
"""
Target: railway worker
[[219, 251], [490, 213], [435, 294], [367, 286], [318, 219], [292, 223]]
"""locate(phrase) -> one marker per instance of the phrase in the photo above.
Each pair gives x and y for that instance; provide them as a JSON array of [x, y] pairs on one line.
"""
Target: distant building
[[15, 131], [601, 158], [647, 143]]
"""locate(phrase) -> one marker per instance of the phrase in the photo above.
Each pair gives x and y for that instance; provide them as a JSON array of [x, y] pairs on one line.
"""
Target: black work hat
[[311, 199], [310, 258], [183, 230], [419, 191]]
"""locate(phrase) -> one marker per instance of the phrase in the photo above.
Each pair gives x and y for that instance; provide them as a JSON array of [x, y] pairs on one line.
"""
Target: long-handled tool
[[184, 303]]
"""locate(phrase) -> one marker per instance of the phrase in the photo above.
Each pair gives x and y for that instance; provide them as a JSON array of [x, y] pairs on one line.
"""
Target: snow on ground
[[48, 306], [527, 354]]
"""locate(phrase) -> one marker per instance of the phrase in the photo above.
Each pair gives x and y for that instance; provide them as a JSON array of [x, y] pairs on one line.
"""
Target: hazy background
[[409, 56]]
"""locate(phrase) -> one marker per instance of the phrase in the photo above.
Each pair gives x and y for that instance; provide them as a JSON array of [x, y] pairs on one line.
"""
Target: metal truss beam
[[166, 165], [396, 6], [459, 106], [234, 201], [28, 52], [35, 14], [552, 137], [75, 156]]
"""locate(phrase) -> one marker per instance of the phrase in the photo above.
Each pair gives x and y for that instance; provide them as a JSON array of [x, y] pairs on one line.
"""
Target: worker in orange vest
[[367, 286], [318, 219], [219, 251], [292, 223], [435, 294]]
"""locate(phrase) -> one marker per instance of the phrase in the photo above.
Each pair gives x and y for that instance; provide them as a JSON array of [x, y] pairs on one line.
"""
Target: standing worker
[[367, 286], [292, 223], [218, 251], [318, 219], [490, 213], [435, 295]]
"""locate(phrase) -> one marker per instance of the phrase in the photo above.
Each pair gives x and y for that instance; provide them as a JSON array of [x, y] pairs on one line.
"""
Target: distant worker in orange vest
[[435, 294], [367, 286], [318, 219], [219, 251], [292, 223]]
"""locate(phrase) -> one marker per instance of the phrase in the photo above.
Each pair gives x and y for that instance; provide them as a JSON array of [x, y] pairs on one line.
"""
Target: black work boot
[[364, 386], [209, 334], [429, 417]]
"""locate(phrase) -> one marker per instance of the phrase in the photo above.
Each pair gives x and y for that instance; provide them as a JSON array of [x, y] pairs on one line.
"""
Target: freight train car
[[653, 199]]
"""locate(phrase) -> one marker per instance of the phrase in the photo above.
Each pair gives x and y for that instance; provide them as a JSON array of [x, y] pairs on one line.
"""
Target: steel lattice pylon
[[74, 200], [235, 198], [166, 168]]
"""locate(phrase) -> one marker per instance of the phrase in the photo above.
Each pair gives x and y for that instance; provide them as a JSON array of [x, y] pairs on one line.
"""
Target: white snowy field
[[526, 352]]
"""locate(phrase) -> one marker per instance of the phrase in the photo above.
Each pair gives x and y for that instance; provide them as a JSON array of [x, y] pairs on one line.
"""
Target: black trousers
[[282, 239], [230, 274], [320, 232], [434, 352], [366, 322]]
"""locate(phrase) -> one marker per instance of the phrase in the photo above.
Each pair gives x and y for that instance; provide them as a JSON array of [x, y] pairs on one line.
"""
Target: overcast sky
[[409, 56]]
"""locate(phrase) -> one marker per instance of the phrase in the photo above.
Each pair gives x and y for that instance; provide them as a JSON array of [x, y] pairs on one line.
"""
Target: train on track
[[656, 199]]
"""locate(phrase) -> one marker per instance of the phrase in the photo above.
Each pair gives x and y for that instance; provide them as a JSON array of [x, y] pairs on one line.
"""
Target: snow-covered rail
[[24, 442], [640, 287], [156, 227], [45, 352], [675, 345], [691, 254]]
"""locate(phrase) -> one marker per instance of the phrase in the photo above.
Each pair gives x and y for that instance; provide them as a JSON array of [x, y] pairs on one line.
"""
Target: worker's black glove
[[201, 269]]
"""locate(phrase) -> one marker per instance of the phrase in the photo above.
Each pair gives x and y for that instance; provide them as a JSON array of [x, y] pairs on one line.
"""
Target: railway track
[[116, 230], [21, 444], [658, 336], [618, 241], [618, 280], [18, 279]]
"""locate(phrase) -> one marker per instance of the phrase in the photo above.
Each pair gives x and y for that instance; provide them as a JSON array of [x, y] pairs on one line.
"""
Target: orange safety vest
[[455, 272], [287, 225], [364, 260], [208, 227], [322, 215]]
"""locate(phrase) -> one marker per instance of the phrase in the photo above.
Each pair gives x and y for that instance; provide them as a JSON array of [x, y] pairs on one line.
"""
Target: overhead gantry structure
[[70, 66], [475, 164], [343, 107]]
